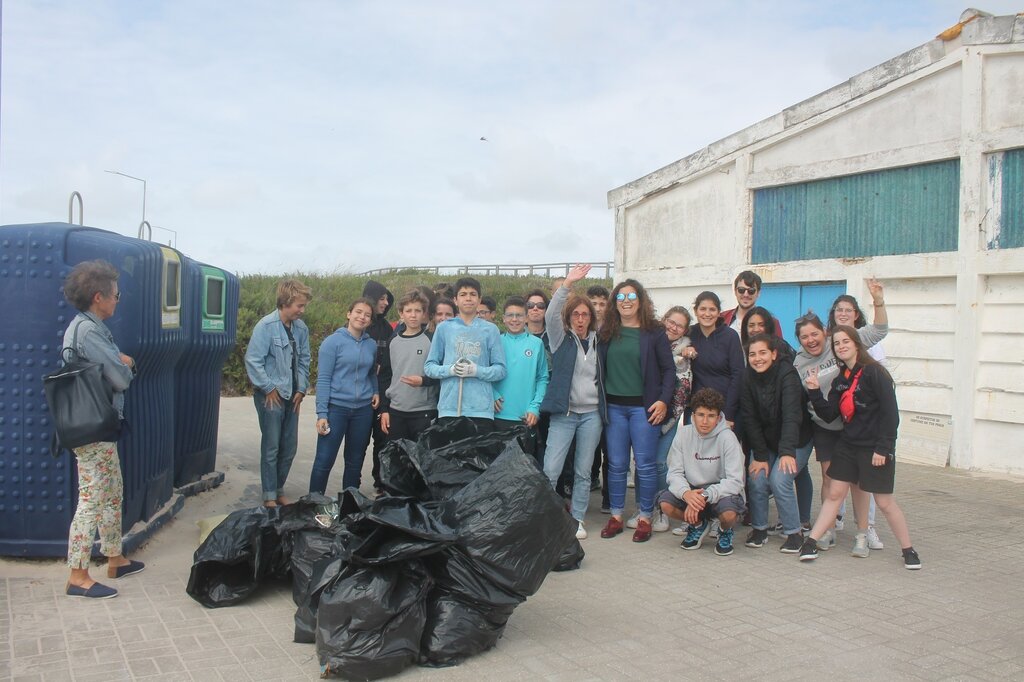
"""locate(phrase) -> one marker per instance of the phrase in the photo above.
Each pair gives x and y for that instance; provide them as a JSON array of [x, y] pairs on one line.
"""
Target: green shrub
[[332, 295]]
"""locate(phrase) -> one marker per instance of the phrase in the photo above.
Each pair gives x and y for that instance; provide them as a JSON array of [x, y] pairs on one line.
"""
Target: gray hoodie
[[713, 462], [825, 364]]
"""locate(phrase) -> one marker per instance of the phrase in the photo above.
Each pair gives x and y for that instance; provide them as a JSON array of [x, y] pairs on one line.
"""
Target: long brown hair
[[863, 357], [612, 325]]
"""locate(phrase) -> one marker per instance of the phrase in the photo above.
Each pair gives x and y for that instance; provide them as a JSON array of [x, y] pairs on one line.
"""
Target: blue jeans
[[280, 429], [664, 445], [354, 426], [781, 485], [628, 428], [586, 428]]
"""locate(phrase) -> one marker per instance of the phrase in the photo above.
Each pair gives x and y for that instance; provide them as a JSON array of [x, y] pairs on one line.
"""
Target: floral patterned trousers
[[100, 491]]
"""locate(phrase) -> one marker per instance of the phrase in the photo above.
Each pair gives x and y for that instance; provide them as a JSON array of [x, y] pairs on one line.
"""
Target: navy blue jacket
[[656, 366], [719, 364]]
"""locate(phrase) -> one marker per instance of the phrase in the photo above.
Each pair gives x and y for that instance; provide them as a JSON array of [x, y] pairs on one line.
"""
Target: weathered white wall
[[956, 345]]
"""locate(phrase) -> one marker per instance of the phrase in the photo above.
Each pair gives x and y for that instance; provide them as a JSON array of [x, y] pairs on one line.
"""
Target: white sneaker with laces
[[680, 530], [874, 542], [659, 524], [827, 541], [581, 532], [631, 521]]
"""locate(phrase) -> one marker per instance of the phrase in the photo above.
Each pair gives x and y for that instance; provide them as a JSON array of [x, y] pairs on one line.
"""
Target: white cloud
[[326, 135]]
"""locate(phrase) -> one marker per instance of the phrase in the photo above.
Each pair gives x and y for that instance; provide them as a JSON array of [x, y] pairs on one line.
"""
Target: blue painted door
[[789, 301]]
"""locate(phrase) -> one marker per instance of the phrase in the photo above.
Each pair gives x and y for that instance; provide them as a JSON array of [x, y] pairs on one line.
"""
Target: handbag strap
[[73, 348]]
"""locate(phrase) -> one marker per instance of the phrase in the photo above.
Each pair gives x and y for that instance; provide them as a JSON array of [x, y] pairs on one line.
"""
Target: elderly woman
[[92, 288]]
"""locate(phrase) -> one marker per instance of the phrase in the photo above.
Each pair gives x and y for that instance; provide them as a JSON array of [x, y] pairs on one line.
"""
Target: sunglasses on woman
[[622, 297]]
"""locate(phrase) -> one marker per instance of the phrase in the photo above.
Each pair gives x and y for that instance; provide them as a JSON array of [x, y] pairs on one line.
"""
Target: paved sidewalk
[[647, 611]]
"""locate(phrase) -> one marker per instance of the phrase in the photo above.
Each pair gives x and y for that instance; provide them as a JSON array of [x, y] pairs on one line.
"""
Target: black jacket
[[380, 330], [774, 409], [876, 416]]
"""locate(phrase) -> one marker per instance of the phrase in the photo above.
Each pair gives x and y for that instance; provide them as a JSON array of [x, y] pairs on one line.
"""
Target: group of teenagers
[[716, 412]]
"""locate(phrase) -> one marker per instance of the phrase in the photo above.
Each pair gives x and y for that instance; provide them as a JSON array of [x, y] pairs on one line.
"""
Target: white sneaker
[[680, 530], [659, 524], [631, 521], [874, 542], [839, 524], [630, 483], [581, 532], [860, 546], [827, 541], [715, 527]]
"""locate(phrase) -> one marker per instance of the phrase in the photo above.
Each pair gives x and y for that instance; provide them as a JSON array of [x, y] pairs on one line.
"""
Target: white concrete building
[[912, 172]]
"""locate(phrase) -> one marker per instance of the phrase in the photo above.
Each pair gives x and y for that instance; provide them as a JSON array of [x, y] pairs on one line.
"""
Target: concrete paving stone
[[58, 676], [170, 663], [102, 676], [31, 677], [625, 615]]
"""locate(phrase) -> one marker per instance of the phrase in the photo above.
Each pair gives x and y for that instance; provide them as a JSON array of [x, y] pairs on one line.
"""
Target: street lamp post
[[125, 175]]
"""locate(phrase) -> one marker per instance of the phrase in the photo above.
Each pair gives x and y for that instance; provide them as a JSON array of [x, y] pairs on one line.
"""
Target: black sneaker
[[911, 561], [757, 538], [809, 550], [695, 535], [724, 546], [793, 544]]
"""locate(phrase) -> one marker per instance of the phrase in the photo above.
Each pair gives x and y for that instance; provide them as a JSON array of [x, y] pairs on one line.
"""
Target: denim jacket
[[268, 359], [95, 343]]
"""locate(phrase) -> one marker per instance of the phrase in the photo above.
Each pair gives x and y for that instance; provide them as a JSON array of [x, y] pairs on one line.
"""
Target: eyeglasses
[[532, 305], [745, 290], [622, 297], [116, 296], [672, 324], [514, 316], [846, 311], [580, 314]]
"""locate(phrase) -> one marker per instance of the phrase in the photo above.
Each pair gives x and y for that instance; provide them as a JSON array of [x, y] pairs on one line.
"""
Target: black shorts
[[825, 443], [852, 464]]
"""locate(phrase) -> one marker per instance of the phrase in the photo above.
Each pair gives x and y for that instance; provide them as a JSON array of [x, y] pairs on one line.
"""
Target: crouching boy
[[705, 474]]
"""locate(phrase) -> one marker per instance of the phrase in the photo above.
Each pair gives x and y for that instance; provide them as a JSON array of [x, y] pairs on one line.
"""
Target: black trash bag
[[571, 557], [237, 556], [448, 466], [309, 547], [466, 612], [399, 474], [457, 629], [511, 523], [457, 573], [369, 624], [390, 529], [324, 573], [303, 513]]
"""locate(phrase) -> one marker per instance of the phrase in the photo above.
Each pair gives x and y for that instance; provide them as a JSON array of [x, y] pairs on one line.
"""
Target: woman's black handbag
[[80, 401]]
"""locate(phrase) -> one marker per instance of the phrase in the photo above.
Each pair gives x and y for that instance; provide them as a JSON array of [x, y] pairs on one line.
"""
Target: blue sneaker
[[695, 536], [724, 546]]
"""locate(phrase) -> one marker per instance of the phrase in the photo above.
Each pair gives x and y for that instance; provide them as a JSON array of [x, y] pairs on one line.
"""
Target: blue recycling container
[[210, 321], [38, 493]]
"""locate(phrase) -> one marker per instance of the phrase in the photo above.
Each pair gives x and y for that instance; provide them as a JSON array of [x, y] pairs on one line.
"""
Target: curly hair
[[612, 325], [88, 279], [709, 399]]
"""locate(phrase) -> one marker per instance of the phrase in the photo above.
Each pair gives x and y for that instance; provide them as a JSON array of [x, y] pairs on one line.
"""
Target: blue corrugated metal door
[[894, 211]]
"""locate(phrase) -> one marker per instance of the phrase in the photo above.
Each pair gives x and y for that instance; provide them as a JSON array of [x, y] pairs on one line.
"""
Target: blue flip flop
[[129, 569], [95, 591]]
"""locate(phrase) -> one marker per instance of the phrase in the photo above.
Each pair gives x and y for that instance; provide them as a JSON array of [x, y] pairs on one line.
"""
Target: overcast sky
[[342, 136]]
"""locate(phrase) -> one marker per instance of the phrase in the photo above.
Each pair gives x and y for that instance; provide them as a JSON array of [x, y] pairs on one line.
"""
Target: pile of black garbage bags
[[428, 573]]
